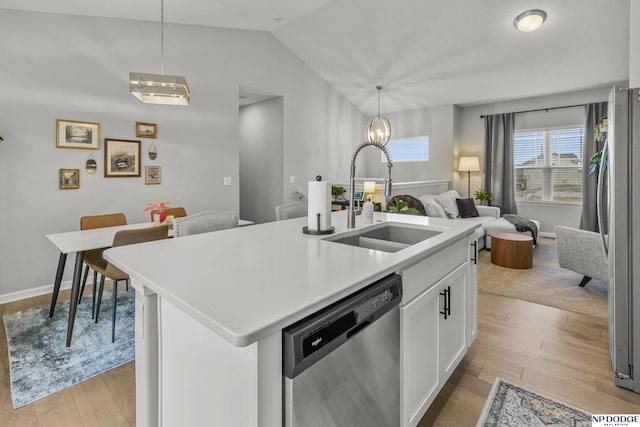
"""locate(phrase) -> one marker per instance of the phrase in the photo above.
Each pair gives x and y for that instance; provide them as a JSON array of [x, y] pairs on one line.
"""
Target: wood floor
[[557, 353]]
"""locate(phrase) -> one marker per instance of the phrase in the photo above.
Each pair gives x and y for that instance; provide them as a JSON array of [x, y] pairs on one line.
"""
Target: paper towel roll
[[319, 203]]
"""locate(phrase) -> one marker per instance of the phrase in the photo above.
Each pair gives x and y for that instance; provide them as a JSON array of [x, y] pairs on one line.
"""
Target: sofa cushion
[[448, 201], [434, 209], [467, 208]]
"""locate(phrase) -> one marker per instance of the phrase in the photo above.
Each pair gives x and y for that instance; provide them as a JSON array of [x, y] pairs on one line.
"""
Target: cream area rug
[[515, 406], [546, 283]]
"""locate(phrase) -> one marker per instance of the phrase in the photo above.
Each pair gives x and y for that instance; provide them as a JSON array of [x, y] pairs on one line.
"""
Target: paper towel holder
[[318, 232]]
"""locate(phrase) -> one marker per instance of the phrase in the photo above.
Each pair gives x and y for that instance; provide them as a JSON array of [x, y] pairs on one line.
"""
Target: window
[[413, 149], [548, 165]]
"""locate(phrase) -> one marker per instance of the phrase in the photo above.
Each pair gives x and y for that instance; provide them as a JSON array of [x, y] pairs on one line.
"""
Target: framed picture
[[69, 178], [146, 130], [73, 134], [121, 158], [152, 175]]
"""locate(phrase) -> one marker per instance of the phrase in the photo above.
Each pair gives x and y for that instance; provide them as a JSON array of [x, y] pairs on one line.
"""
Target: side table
[[512, 250]]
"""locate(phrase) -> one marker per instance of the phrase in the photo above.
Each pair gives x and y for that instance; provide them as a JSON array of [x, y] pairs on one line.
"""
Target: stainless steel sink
[[386, 236]]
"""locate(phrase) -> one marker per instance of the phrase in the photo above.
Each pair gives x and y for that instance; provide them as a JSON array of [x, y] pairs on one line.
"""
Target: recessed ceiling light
[[530, 20]]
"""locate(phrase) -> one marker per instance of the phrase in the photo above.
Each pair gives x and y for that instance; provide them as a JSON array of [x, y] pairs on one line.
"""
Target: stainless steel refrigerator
[[619, 217]]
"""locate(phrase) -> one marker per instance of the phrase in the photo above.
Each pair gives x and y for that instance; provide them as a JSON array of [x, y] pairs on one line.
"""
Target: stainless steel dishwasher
[[341, 365]]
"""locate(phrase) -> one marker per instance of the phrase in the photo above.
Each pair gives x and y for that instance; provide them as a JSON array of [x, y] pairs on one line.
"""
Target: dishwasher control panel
[[376, 303], [307, 341]]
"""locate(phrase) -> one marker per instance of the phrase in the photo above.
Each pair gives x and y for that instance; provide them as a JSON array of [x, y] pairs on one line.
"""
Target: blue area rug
[[514, 406], [41, 364]]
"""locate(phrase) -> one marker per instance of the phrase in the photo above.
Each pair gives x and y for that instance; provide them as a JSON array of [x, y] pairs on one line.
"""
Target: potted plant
[[161, 215], [398, 205], [337, 192], [483, 195], [600, 129], [598, 136]]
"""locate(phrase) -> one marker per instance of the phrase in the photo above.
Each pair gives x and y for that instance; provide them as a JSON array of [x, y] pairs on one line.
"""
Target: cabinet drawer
[[421, 276]]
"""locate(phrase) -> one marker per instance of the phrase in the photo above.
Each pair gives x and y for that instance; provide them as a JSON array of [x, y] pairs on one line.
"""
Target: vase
[[159, 217]]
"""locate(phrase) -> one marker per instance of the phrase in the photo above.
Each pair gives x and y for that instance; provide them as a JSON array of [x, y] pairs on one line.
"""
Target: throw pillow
[[467, 208], [448, 201], [434, 209]]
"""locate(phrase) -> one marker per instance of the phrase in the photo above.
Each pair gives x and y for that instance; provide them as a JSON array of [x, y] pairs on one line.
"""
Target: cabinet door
[[472, 292], [452, 322], [419, 355]]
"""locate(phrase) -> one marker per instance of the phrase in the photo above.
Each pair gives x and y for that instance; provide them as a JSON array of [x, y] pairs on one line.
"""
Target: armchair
[[581, 251]]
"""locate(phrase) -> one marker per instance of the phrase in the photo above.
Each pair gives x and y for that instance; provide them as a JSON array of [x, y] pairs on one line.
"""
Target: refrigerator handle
[[601, 171]]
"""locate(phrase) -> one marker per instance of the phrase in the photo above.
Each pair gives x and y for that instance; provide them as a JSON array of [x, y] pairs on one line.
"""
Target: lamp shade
[[469, 164], [159, 89], [369, 187]]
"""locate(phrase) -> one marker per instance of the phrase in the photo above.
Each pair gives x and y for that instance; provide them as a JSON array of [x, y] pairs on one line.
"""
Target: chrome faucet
[[351, 217]]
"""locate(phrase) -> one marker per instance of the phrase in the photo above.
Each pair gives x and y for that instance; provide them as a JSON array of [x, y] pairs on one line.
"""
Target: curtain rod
[[540, 109]]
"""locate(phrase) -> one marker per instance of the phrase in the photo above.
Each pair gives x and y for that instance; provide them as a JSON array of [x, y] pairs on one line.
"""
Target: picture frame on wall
[[69, 178], [75, 134], [121, 158], [146, 130], [152, 175]]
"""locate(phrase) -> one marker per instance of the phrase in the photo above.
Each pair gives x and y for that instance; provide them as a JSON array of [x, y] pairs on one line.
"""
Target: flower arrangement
[[161, 207]]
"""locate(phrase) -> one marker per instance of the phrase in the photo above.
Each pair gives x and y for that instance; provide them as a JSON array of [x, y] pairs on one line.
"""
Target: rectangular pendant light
[[159, 88]]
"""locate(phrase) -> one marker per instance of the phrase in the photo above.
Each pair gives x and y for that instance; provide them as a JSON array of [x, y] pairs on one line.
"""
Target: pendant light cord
[[162, 37], [379, 89]]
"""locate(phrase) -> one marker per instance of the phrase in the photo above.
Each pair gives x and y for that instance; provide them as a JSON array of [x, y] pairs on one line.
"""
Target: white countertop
[[248, 282]]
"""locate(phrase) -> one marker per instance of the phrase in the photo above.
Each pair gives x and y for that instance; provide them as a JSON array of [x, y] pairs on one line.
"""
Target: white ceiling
[[424, 52]]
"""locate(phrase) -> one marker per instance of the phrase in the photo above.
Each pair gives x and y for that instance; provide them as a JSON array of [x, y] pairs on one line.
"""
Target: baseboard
[[34, 292], [547, 234]]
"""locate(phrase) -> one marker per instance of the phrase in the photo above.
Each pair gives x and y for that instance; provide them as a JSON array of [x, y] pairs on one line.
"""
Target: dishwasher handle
[[312, 338]]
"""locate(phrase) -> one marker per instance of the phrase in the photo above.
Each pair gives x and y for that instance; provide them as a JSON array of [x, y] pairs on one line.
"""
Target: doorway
[[261, 154]]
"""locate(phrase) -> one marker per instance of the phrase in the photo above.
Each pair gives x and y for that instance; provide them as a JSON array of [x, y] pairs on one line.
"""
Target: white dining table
[[78, 242]]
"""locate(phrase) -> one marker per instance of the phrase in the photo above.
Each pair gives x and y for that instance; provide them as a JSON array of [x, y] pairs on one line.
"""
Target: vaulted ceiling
[[424, 52]]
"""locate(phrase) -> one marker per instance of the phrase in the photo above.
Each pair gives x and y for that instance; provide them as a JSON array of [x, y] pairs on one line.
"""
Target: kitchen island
[[210, 309]]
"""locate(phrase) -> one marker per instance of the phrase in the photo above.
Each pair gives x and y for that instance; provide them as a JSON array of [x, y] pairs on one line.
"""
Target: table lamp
[[369, 188], [468, 165]]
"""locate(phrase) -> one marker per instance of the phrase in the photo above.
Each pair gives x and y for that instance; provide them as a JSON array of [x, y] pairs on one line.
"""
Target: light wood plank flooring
[[557, 353]]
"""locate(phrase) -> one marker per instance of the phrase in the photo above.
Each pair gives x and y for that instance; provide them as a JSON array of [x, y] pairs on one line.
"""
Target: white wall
[[69, 67], [261, 157], [471, 142], [438, 123]]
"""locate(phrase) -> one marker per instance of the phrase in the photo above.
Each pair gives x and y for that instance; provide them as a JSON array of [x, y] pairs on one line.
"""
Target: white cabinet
[[452, 322], [419, 356], [433, 337]]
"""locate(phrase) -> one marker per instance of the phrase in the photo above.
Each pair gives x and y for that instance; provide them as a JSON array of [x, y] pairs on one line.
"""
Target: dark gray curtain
[[499, 173], [594, 114]]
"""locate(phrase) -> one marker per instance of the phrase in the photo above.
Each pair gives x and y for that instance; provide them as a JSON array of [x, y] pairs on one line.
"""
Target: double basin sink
[[385, 236]]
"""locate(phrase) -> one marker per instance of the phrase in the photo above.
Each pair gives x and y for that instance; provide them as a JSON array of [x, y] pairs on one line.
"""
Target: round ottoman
[[512, 250], [501, 225]]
